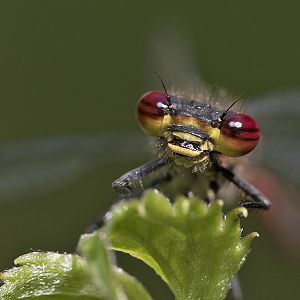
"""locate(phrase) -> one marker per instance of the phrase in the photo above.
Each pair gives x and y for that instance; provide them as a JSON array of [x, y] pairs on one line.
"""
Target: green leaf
[[92, 248], [113, 281], [49, 275], [190, 245]]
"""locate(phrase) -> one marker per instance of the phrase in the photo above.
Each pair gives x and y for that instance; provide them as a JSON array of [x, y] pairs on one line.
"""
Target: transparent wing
[[279, 117], [42, 165]]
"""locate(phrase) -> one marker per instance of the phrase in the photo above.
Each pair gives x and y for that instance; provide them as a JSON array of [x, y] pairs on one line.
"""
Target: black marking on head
[[185, 144], [188, 129]]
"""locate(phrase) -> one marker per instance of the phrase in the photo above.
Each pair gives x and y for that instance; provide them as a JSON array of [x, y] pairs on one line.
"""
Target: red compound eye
[[239, 135], [151, 111]]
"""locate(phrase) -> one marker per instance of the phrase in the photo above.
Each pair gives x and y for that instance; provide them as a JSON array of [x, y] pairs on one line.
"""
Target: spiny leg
[[257, 199], [126, 185]]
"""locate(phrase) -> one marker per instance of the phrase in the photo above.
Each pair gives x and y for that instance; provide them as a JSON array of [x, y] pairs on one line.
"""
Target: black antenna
[[227, 110], [164, 87]]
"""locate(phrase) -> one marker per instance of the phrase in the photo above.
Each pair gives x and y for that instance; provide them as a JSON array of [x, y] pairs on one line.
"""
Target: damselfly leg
[[131, 183]]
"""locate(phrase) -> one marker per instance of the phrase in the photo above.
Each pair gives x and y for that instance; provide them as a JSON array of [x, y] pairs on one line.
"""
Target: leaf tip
[[246, 241]]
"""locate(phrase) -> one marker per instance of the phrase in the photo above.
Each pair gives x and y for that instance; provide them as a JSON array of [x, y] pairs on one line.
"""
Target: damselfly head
[[192, 130]]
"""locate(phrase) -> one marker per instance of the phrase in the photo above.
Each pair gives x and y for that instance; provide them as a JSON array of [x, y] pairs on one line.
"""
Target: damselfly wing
[[38, 166], [277, 168]]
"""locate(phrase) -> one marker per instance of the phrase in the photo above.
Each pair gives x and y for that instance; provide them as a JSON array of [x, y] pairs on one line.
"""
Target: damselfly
[[193, 140], [34, 167]]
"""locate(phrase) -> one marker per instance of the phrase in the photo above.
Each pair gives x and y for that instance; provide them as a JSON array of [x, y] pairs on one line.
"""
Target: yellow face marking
[[212, 132], [183, 151], [186, 136], [215, 138], [190, 157], [166, 122]]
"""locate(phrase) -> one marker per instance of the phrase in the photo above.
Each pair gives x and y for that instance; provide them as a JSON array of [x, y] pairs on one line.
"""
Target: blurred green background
[[78, 68]]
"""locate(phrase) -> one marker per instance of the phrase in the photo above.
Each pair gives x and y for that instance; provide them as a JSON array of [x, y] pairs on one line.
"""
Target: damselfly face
[[192, 137], [192, 131]]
